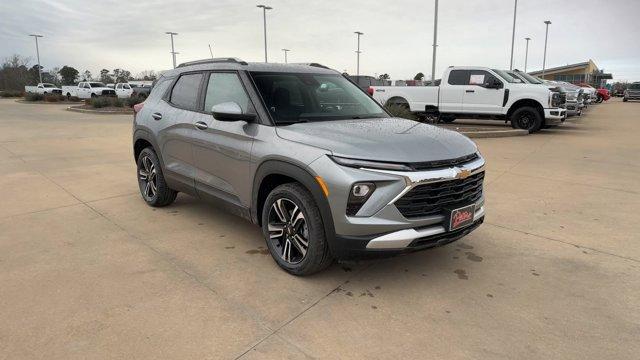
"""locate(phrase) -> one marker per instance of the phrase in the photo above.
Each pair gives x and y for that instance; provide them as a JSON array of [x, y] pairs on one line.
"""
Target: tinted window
[[224, 88], [634, 87], [185, 91], [458, 77]]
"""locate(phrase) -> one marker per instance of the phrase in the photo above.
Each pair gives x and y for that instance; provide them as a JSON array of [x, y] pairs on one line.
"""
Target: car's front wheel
[[294, 231], [153, 187]]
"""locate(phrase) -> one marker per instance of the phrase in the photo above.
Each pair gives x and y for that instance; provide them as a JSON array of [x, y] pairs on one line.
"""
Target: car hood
[[381, 139]]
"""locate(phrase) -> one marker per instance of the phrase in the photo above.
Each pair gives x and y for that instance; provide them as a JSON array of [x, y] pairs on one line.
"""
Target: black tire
[[161, 194], [599, 99], [317, 256], [68, 96], [94, 95], [447, 119], [625, 99], [526, 118]]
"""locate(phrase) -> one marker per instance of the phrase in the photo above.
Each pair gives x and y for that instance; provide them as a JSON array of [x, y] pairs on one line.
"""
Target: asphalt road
[[88, 271]]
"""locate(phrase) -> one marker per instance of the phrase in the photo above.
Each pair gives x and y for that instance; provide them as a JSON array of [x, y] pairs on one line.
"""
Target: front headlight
[[356, 163]]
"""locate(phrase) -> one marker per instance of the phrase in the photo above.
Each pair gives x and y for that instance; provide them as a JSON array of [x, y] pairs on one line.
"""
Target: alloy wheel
[[288, 231], [525, 121], [148, 178]]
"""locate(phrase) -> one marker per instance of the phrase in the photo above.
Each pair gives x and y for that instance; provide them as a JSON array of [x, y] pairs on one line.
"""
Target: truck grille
[[429, 165], [430, 199], [108, 92]]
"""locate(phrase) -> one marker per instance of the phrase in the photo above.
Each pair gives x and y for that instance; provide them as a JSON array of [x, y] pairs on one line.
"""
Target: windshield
[[634, 86], [48, 85], [97, 84], [529, 78], [503, 74], [292, 98]]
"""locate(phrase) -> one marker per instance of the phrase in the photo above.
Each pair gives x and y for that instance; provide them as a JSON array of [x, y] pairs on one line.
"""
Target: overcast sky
[[398, 34]]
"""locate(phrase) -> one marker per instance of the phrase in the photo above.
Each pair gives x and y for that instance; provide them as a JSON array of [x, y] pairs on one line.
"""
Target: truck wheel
[[94, 95], [526, 118], [447, 118], [68, 96], [293, 228], [625, 99]]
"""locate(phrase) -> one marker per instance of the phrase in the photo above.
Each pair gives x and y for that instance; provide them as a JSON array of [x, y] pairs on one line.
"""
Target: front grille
[[108, 92], [430, 199], [429, 165]]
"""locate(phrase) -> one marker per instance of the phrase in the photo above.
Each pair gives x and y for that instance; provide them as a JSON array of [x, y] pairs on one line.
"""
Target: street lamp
[[173, 52], [36, 36], [285, 55], [526, 54], [544, 58], [210, 51], [264, 20], [513, 33], [358, 34], [435, 43]]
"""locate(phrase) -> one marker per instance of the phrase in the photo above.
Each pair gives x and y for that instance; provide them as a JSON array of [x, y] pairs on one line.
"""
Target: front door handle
[[470, 91], [201, 125], [156, 116]]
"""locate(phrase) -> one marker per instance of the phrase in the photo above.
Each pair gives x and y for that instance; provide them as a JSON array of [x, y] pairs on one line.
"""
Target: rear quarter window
[[458, 77]]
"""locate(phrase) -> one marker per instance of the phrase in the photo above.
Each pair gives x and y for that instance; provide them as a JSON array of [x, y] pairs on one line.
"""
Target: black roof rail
[[314, 65], [213, 61]]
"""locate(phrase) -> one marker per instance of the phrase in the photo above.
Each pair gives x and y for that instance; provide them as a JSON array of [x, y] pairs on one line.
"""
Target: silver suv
[[306, 154]]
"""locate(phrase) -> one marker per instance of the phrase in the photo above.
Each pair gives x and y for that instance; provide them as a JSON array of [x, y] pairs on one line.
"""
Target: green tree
[[86, 75], [69, 75], [419, 76], [15, 74], [121, 75], [384, 77], [105, 77]]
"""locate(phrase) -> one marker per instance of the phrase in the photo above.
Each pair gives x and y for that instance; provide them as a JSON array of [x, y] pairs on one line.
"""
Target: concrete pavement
[[87, 270]]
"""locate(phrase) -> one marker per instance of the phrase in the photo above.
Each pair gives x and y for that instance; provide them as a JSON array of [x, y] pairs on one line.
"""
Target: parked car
[[325, 176], [88, 89], [123, 90], [572, 95], [43, 88], [481, 93], [141, 90], [632, 92], [602, 94]]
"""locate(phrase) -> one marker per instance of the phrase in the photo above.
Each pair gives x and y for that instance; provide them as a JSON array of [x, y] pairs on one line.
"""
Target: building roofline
[[560, 68]]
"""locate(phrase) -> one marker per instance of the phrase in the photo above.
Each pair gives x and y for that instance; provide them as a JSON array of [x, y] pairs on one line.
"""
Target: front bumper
[[379, 228], [554, 116]]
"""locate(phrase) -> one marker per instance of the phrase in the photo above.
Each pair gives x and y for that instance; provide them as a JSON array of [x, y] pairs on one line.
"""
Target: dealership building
[[584, 72]]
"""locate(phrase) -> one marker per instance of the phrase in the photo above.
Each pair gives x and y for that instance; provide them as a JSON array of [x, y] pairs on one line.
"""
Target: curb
[[99, 112], [494, 133], [44, 102]]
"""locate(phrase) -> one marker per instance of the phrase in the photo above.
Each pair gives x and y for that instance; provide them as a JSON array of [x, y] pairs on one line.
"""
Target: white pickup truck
[[88, 89], [479, 92], [43, 88]]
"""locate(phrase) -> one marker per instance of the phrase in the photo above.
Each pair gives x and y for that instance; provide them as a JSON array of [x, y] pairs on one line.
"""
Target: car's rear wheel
[[526, 118], [153, 187], [294, 231]]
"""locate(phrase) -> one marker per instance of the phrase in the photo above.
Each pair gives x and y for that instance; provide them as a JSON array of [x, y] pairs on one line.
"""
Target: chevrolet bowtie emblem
[[463, 174]]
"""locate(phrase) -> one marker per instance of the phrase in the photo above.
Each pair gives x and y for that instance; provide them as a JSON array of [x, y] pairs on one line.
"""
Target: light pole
[[210, 51], [36, 36], [513, 33], [544, 57], [435, 43], [285, 55], [173, 52], [526, 54], [358, 34], [264, 20]]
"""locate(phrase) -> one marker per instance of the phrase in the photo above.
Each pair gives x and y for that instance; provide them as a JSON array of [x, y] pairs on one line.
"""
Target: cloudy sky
[[398, 34]]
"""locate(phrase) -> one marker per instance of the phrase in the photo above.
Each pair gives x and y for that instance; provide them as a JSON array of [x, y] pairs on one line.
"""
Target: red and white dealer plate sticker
[[461, 217]]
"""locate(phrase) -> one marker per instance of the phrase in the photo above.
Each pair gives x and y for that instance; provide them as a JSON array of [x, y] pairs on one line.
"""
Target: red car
[[602, 93]]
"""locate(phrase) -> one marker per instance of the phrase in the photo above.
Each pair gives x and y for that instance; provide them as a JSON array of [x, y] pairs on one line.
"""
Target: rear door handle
[[470, 91], [201, 125], [156, 116]]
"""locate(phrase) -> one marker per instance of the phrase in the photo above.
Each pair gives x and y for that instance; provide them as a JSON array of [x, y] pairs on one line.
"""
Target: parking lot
[[87, 270]]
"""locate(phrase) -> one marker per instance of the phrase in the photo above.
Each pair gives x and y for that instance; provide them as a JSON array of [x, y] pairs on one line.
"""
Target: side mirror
[[230, 111]]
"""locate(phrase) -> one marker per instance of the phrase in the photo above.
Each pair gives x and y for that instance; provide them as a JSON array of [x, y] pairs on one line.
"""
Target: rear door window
[[185, 91], [458, 77]]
